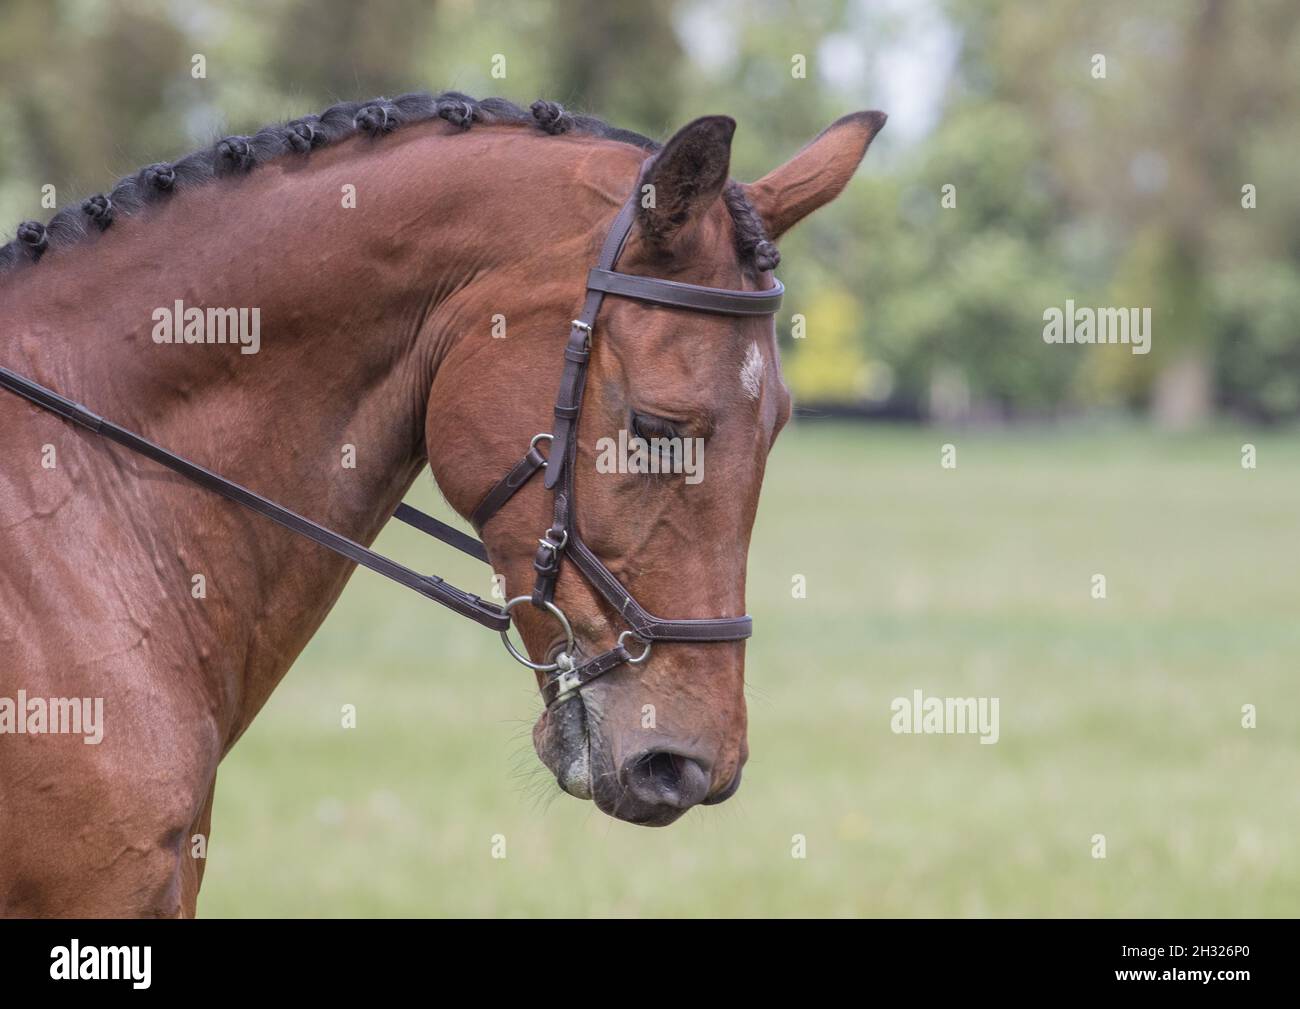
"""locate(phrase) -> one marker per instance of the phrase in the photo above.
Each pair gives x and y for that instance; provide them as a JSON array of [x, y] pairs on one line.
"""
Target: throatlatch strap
[[507, 487]]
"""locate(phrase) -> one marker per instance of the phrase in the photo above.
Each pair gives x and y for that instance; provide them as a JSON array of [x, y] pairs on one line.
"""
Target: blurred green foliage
[[1125, 190]]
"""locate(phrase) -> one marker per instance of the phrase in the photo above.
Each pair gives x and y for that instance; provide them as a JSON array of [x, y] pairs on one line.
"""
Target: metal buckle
[[554, 547], [548, 667], [568, 680], [579, 324]]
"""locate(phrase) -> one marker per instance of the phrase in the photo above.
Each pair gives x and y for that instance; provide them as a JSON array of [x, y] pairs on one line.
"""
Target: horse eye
[[647, 426]]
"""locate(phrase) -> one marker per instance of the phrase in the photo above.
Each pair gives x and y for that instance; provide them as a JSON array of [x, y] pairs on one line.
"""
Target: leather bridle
[[560, 540]]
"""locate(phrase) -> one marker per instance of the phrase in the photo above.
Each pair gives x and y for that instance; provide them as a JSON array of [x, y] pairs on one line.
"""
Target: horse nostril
[[663, 778]]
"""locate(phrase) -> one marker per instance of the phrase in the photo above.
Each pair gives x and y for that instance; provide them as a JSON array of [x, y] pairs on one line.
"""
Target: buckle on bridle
[[568, 680], [586, 328], [546, 562], [549, 562], [552, 545]]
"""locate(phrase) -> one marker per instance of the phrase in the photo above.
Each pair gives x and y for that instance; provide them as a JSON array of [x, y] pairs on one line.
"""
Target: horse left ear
[[814, 176], [686, 177]]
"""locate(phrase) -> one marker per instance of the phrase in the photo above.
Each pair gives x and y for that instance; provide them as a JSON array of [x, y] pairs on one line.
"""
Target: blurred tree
[[89, 96], [1155, 154], [617, 57], [333, 50]]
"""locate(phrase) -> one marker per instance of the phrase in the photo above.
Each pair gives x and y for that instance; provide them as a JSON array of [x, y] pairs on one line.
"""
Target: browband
[[689, 296]]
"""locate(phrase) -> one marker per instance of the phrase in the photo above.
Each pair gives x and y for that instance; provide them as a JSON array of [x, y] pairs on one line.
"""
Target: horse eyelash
[[647, 426]]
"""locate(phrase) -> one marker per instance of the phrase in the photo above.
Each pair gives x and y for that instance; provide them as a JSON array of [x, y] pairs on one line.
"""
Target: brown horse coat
[[376, 332]]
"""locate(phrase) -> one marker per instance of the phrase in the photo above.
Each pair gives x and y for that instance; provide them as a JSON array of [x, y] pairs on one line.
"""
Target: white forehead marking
[[751, 372]]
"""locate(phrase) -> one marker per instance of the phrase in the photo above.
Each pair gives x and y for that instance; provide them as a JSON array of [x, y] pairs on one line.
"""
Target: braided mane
[[299, 137]]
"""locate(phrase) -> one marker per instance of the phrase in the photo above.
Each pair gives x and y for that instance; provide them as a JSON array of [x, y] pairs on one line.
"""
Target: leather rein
[[561, 539]]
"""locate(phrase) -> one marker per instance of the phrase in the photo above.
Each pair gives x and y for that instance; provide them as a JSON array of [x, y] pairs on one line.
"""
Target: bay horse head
[[679, 413]]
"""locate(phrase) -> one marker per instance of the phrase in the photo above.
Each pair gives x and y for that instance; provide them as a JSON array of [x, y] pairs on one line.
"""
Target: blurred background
[[1168, 183]]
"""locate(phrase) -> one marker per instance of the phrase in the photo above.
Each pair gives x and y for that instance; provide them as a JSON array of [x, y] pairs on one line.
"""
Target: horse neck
[[353, 324]]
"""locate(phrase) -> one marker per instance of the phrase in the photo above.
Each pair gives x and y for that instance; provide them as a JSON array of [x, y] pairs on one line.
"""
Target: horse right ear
[[816, 175], [685, 178]]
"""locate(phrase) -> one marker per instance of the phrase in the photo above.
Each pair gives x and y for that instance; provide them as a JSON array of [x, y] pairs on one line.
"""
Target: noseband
[[560, 540]]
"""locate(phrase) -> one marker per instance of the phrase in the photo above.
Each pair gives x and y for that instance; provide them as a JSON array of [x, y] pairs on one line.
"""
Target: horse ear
[[814, 176], [685, 177]]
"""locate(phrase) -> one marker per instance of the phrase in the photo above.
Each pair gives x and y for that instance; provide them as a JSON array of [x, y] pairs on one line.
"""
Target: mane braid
[[238, 154]]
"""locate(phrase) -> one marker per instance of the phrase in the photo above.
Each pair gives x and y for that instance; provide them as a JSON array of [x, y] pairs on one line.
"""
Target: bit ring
[[555, 611]]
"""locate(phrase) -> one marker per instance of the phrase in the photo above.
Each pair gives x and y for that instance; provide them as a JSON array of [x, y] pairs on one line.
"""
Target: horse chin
[[563, 743]]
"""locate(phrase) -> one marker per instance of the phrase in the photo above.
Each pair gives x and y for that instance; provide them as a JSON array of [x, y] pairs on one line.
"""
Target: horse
[[383, 245]]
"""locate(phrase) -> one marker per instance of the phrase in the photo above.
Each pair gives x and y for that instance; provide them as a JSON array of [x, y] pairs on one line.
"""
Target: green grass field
[[1119, 717]]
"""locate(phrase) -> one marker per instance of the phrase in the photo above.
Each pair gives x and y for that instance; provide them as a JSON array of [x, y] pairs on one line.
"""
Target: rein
[[560, 540], [430, 586]]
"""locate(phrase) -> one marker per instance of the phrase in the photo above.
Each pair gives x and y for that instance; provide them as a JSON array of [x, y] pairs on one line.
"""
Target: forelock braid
[[751, 236]]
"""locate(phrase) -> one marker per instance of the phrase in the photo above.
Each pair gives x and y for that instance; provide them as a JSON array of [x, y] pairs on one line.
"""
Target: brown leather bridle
[[560, 540]]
